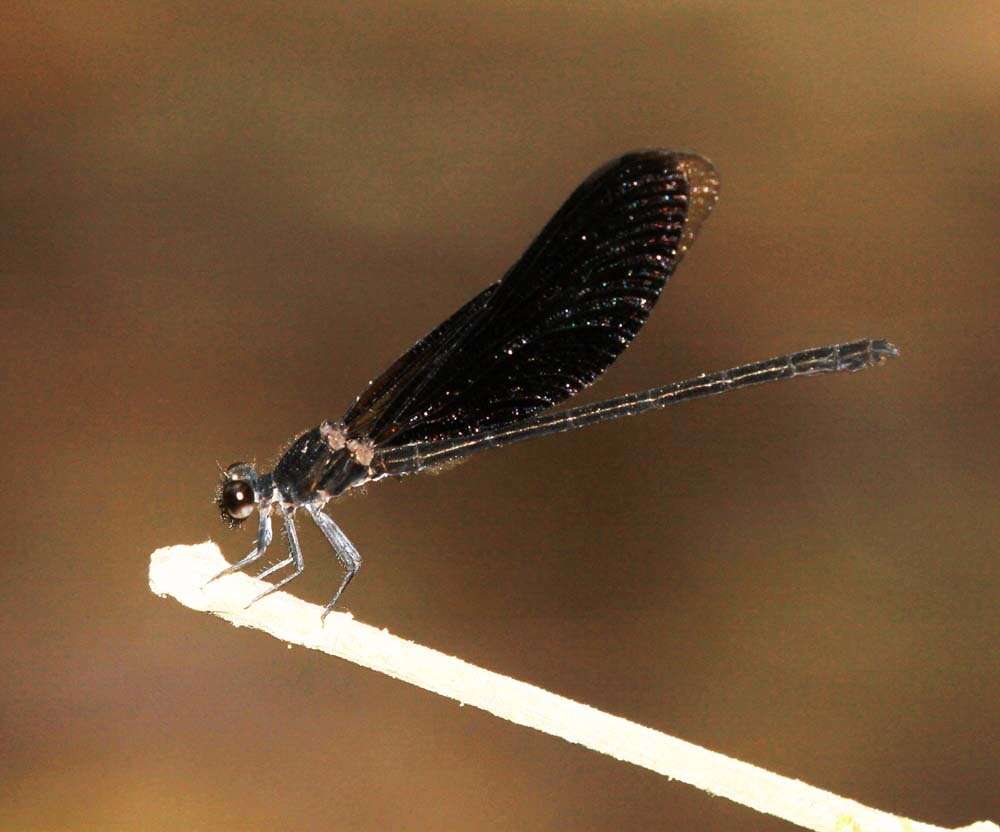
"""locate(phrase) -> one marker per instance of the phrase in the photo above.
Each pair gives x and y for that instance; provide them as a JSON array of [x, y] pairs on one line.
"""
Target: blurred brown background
[[219, 220]]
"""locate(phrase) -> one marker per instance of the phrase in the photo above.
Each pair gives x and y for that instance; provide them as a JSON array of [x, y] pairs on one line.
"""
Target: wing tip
[[698, 171], [703, 193]]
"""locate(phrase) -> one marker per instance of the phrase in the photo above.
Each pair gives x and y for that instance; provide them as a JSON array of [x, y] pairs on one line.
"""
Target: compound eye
[[237, 499]]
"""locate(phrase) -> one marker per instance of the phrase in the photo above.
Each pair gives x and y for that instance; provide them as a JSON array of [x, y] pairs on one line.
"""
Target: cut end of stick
[[183, 572]]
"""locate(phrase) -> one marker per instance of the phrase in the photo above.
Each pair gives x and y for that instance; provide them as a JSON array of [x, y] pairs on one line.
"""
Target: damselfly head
[[237, 494]]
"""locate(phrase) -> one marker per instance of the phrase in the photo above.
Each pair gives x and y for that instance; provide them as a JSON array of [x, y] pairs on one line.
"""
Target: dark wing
[[559, 317]]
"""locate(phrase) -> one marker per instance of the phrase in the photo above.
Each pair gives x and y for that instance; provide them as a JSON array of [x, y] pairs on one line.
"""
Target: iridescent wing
[[559, 317]]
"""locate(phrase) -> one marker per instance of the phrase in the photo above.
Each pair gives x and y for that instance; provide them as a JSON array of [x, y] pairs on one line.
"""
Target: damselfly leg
[[294, 557], [263, 541], [342, 548]]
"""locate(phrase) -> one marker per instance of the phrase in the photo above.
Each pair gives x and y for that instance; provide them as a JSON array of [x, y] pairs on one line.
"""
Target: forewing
[[559, 317], [383, 398]]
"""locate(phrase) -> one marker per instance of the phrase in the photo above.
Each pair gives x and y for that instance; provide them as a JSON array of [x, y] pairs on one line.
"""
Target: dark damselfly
[[490, 374]]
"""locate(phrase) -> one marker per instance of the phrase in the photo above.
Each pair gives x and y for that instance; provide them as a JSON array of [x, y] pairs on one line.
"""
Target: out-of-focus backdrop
[[220, 220]]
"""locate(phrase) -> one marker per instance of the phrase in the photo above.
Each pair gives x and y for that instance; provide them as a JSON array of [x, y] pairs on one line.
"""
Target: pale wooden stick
[[182, 571]]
